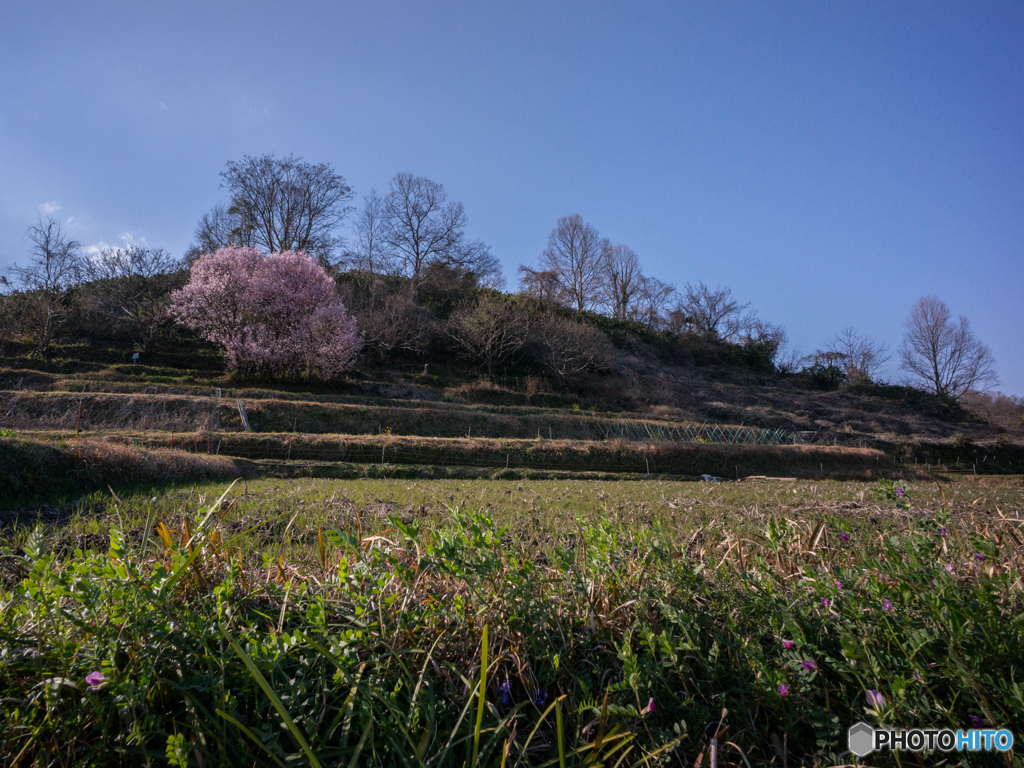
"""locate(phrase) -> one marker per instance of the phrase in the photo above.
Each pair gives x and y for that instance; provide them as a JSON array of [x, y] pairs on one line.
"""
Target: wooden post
[[714, 753]]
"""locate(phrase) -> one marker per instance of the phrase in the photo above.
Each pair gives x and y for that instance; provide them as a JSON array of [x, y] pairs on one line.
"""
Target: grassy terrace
[[326, 621]]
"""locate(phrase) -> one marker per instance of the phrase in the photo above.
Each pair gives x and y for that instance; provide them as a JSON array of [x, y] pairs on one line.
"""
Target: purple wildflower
[[93, 680], [634, 551], [949, 567], [977, 722], [540, 698], [979, 556], [917, 676], [506, 692], [943, 531], [826, 602], [809, 664], [844, 537], [783, 690], [887, 605], [787, 644], [875, 698], [839, 584], [651, 706], [899, 492]]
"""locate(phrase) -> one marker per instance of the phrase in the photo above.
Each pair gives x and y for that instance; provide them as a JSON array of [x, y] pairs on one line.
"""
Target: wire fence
[[705, 433]]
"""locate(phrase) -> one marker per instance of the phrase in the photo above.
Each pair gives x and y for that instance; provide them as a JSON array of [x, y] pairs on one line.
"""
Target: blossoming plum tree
[[277, 315]]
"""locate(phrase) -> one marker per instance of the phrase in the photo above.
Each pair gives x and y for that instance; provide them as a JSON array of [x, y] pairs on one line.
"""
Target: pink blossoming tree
[[276, 315]]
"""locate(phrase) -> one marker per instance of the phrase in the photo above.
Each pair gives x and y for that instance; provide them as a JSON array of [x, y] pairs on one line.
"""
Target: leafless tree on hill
[[289, 204], [712, 312], [574, 254], [131, 287], [54, 265], [221, 227], [623, 280], [492, 330], [390, 321], [571, 347], [651, 302], [371, 253], [424, 227], [541, 285], [943, 356], [859, 357]]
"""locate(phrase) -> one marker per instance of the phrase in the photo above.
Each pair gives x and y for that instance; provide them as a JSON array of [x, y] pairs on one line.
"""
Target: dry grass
[[34, 469], [686, 459]]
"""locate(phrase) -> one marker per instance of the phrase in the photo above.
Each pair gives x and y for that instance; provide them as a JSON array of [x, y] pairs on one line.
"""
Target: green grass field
[[326, 622]]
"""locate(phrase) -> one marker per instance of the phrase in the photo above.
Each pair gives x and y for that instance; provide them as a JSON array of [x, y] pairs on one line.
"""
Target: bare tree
[[54, 266], [859, 357], [424, 227], [131, 288], [651, 302], [943, 356], [390, 321], [623, 281], [571, 347], [289, 205], [55, 261], [712, 312], [372, 253], [475, 257], [492, 330], [542, 285], [219, 228], [574, 254]]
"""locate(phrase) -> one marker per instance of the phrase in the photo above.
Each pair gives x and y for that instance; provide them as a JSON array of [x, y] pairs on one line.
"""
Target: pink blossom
[[783, 690], [875, 698], [844, 537], [274, 315], [787, 644], [887, 605], [651, 706], [809, 664], [93, 680]]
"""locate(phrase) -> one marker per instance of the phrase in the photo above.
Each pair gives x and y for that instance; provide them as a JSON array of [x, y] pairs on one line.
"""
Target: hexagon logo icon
[[860, 739]]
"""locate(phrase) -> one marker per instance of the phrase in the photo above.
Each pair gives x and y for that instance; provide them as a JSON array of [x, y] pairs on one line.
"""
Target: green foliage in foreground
[[612, 646]]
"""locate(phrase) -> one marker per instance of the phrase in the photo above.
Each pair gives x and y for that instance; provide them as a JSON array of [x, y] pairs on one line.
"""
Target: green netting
[[704, 433]]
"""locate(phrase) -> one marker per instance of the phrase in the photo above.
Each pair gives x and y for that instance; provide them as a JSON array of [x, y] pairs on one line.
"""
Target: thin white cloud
[[48, 208], [131, 240], [96, 249], [128, 240]]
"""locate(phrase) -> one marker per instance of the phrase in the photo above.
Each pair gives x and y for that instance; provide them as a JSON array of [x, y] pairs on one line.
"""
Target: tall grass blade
[[558, 728], [248, 732], [482, 695], [274, 699]]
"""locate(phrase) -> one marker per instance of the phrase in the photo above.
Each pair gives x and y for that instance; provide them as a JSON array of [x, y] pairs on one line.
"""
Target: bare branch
[[945, 357]]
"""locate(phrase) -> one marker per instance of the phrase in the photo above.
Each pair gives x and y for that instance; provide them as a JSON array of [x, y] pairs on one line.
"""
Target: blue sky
[[830, 162]]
